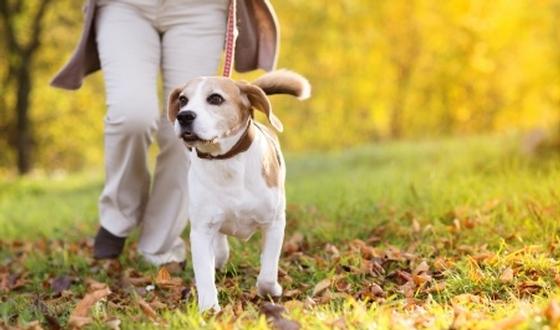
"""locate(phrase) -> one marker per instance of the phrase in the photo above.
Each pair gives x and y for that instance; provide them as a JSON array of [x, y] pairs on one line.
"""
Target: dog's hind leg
[[221, 250]]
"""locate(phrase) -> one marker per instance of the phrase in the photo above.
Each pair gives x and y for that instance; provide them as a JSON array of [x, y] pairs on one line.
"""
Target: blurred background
[[381, 70]]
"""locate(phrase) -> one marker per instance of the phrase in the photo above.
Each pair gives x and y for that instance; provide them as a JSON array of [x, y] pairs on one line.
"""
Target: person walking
[[133, 41]]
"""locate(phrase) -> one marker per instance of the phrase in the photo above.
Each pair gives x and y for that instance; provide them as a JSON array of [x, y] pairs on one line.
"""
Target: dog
[[236, 173]]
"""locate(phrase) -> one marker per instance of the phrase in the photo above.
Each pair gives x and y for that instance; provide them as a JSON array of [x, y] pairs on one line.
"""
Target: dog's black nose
[[186, 117]]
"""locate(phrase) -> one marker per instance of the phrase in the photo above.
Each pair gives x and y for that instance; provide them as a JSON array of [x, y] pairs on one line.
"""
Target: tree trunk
[[23, 136]]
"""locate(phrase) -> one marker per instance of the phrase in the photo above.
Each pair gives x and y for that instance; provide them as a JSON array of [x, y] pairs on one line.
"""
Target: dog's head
[[208, 109]]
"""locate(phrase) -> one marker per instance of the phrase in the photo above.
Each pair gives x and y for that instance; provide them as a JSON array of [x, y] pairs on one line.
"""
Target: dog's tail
[[284, 82]]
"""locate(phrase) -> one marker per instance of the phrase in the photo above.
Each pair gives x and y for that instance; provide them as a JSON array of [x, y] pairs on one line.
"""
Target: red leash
[[231, 35]]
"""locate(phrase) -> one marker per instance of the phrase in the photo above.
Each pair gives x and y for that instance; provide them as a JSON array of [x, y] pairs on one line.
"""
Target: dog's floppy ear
[[259, 101], [173, 105]]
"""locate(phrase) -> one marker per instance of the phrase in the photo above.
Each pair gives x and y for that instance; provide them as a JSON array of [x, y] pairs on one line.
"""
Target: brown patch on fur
[[173, 105], [270, 162], [234, 116], [259, 101]]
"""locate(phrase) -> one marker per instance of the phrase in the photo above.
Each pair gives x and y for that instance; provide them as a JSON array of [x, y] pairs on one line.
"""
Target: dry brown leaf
[[416, 225], [83, 307], [405, 276], [60, 284], [113, 323], [408, 289], [510, 323], [164, 279], [272, 310], [33, 325], [293, 244], [438, 287], [557, 279], [507, 275], [441, 264], [529, 287], [285, 324], [77, 322], [421, 268], [552, 313], [377, 290], [342, 285], [321, 286], [291, 293], [163, 276], [332, 250], [275, 314], [460, 317], [421, 279], [93, 285], [146, 308], [456, 225]]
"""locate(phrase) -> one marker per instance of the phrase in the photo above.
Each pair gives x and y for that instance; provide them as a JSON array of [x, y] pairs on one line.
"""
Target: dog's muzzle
[[186, 120]]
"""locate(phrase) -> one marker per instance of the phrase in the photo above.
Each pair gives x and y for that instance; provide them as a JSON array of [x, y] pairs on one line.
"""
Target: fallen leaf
[[33, 325], [52, 321], [552, 313], [421, 268], [342, 285], [164, 279], [416, 225], [421, 279], [291, 293], [93, 285], [507, 275], [285, 324], [510, 323], [78, 322], [441, 264], [293, 244], [529, 287], [113, 323], [275, 313], [146, 308], [321, 286], [163, 276], [272, 310], [60, 284], [89, 300], [438, 287], [332, 250]]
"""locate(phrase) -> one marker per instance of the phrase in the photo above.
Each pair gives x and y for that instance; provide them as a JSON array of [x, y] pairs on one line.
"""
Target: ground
[[458, 233]]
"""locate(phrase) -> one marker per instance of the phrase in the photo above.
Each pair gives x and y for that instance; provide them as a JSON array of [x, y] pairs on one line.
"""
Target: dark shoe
[[107, 245], [175, 268]]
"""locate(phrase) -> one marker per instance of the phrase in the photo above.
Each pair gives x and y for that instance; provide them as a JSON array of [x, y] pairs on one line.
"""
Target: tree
[[20, 54]]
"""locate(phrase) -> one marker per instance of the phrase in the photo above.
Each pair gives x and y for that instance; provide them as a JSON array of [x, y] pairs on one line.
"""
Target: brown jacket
[[256, 45]]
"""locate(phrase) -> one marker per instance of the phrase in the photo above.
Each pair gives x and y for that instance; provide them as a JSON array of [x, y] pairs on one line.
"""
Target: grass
[[484, 218]]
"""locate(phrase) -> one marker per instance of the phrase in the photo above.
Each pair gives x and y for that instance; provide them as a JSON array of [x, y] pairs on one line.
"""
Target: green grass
[[471, 208]]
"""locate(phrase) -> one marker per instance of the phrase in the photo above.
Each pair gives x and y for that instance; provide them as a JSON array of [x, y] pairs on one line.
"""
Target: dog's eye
[[183, 100], [215, 99]]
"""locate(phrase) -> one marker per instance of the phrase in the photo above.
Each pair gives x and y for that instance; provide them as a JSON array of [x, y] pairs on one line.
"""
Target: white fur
[[230, 197]]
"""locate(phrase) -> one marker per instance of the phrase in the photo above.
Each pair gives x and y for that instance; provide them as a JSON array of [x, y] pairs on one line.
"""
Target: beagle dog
[[236, 173]]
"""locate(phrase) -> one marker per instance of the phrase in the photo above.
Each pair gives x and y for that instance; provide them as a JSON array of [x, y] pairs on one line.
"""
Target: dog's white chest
[[236, 206]]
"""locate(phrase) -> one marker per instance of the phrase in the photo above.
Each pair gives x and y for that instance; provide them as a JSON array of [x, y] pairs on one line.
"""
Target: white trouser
[[135, 38]]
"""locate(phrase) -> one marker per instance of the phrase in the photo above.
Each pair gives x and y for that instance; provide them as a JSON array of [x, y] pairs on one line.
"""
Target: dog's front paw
[[208, 303], [211, 308], [268, 288]]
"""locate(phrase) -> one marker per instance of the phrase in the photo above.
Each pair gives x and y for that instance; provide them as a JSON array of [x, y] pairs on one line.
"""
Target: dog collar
[[240, 146]]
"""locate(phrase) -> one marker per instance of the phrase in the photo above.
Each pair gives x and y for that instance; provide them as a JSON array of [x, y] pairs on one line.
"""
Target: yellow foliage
[[379, 69]]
